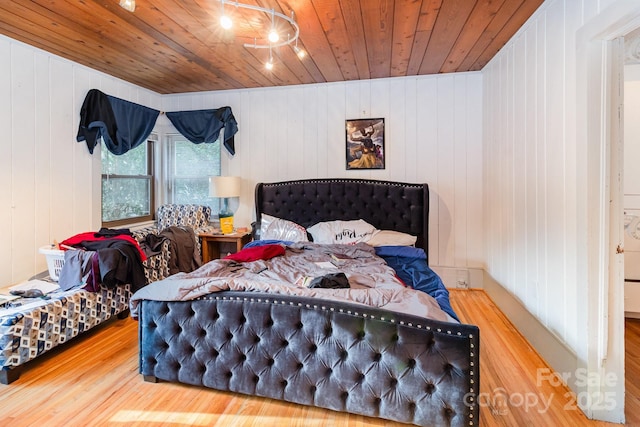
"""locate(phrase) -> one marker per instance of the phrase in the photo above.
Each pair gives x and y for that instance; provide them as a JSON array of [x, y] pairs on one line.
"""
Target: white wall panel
[[433, 134], [23, 153], [6, 145], [433, 127], [530, 131], [42, 155], [50, 182], [473, 204]]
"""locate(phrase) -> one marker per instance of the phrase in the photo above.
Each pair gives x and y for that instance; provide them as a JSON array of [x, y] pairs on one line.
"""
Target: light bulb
[[300, 52], [273, 36], [225, 22], [129, 5], [269, 64]]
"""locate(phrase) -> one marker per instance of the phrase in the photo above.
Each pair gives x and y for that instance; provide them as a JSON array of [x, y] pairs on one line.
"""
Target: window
[[189, 168], [127, 185]]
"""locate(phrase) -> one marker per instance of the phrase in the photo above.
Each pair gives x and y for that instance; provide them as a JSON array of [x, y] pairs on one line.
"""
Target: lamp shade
[[224, 186]]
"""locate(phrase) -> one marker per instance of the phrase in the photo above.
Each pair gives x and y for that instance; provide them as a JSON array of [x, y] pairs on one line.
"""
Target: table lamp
[[225, 187]]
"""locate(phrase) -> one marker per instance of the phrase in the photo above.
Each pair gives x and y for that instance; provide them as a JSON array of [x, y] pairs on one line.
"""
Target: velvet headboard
[[386, 205]]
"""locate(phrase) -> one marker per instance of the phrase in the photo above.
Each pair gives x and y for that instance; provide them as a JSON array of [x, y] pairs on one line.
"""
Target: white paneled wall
[[433, 127], [530, 155], [50, 183]]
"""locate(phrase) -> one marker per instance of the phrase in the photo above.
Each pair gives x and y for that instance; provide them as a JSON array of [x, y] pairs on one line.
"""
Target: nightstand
[[211, 243]]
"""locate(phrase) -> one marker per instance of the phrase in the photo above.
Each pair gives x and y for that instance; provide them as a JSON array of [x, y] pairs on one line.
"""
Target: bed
[[320, 349]]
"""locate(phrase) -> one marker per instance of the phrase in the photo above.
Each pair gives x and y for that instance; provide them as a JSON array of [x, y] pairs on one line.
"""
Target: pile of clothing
[[109, 257]]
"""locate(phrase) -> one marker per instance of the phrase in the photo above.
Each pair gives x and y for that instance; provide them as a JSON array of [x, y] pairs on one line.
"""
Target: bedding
[[371, 281], [388, 346]]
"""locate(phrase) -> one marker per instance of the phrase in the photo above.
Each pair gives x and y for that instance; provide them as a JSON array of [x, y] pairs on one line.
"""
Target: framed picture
[[365, 143]]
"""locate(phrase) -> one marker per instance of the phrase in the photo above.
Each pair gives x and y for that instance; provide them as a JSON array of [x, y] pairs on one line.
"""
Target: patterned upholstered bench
[[30, 330]]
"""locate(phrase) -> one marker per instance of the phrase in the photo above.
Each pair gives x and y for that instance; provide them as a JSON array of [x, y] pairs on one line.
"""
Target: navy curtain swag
[[200, 126], [121, 124]]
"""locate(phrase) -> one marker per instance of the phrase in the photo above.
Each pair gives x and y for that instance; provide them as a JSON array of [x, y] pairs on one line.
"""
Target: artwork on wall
[[365, 144]]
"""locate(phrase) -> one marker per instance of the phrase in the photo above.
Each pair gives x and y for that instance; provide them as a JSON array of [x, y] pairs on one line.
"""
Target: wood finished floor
[[94, 381]]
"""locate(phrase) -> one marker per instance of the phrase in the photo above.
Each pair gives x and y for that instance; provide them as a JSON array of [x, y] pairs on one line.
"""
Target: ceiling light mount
[[273, 39]]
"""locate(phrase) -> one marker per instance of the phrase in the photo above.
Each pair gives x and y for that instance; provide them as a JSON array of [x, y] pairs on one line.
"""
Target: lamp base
[[226, 224]]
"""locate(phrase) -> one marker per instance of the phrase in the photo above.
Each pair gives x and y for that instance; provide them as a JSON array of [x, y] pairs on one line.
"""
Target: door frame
[[599, 121]]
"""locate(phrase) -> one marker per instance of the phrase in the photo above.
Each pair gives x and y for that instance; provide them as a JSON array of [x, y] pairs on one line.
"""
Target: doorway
[[631, 218]]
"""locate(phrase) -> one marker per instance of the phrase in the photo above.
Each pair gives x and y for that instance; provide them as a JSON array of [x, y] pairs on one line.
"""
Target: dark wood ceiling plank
[[478, 21], [72, 44], [309, 62], [404, 28], [334, 27], [509, 7], [280, 74], [377, 17], [207, 45], [118, 34], [165, 31], [173, 46], [427, 20], [286, 56], [315, 39], [451, 19], [352, 14], [523, 13]]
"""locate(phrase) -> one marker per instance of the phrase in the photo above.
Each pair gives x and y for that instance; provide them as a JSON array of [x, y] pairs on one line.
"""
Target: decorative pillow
[[391, 238], [272, 228], [342, 232]]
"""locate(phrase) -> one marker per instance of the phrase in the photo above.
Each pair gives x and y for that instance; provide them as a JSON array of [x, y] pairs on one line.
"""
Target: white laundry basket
[[55, 261]]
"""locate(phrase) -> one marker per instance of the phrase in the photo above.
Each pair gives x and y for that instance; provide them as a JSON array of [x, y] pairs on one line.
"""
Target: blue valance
[[200, 126], [121, 124]]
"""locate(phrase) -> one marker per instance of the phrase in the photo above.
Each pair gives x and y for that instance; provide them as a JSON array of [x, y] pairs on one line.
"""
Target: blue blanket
[[411, 267]]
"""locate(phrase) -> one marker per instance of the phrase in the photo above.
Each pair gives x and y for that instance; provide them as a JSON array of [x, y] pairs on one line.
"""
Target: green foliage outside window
[[127, 180], [191, 166], [126, 184]]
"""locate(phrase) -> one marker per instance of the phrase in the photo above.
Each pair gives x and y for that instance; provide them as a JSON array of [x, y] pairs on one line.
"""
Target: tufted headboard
[[386, 205]]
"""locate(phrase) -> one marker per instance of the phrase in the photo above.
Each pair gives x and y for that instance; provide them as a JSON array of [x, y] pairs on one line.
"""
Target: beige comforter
[[372, 282]]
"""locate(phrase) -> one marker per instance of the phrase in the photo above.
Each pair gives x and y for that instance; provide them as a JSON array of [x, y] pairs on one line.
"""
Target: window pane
[[192, 191], [124, 198], [133, 162], [191, 165], [196, 159]]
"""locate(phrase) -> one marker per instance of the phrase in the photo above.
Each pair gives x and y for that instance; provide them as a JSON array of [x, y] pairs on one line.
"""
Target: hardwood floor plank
[[94, 380]]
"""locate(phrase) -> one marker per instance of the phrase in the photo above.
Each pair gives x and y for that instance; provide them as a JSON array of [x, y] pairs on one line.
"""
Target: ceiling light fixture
[[269, 64], [225, 21], [300, 52], [129, 5], [273, 39]]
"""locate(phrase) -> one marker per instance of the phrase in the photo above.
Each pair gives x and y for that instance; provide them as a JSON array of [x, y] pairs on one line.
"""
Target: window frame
[[150, 177]]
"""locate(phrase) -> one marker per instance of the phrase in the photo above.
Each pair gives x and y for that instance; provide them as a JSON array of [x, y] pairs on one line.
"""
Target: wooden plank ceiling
[[173, 46]]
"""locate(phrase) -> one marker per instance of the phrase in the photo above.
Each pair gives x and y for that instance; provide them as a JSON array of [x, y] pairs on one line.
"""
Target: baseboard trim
[[558, 355]]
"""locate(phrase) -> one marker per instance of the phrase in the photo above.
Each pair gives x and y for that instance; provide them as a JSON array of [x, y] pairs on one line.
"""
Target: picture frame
[[365, 144]]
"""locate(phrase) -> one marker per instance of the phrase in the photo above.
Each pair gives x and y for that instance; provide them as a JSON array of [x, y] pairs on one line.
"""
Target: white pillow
[[272, 228], [342, 232], [391, 238]]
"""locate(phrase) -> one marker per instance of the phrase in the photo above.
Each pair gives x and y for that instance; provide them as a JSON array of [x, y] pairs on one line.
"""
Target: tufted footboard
[[338, 356]]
